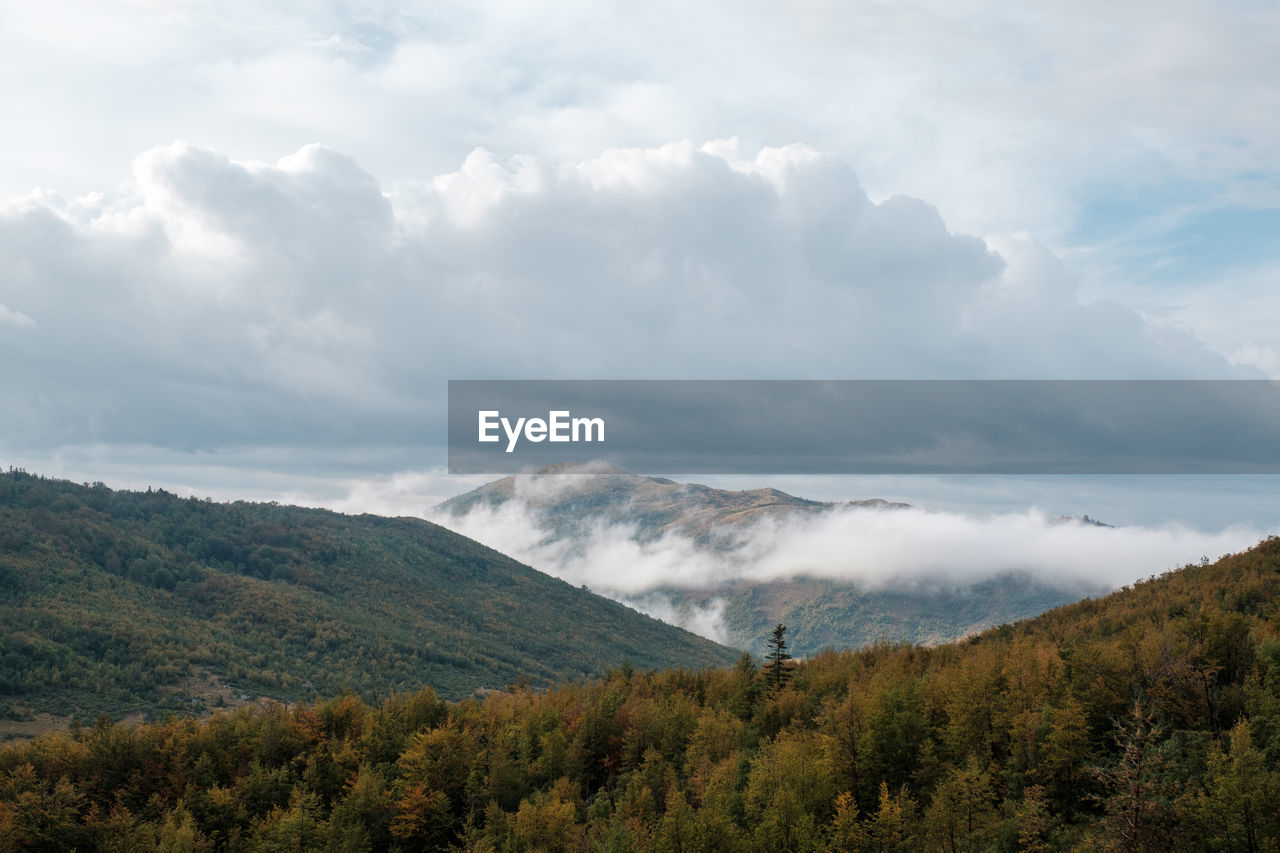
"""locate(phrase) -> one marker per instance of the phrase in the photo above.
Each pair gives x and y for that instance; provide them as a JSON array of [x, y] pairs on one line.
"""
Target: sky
[[243, 246]]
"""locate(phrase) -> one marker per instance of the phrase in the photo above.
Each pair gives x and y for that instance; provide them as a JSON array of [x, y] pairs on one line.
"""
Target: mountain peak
[[563, 498]]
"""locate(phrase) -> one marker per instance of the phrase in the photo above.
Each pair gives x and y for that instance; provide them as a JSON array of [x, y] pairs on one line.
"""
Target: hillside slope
[[115, 601], [831, 614]]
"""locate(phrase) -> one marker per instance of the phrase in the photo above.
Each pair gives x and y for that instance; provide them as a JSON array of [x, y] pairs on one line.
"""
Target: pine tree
[[776, 667], [1138, 812]]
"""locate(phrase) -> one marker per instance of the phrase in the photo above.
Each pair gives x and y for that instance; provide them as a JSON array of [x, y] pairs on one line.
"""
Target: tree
[[846, 833], [890, 828], [1236, 808], [963, 812], [1138, 813], [776, 669], [790, 792]]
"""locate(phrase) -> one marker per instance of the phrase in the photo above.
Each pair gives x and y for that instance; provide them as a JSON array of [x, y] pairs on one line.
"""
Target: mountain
[[569, 498], [116, 602], [566, 500], [1079, 519], [569, 504]]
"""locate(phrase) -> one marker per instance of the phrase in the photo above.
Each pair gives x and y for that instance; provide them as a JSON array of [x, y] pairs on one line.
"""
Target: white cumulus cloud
[[212, 304], [874, 549], [9, 317]]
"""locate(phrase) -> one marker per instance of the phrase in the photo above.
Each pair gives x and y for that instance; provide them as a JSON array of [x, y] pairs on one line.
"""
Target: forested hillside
[[1148, 720], [116, 602], [837, 614]]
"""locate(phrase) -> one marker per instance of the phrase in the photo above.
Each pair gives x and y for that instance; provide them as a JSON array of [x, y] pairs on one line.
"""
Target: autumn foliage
[[1149, 720]]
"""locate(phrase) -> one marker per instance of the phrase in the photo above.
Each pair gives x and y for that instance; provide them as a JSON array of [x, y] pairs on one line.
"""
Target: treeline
[[1149, 720]]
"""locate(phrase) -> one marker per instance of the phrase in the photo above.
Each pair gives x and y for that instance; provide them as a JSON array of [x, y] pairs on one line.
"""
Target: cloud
[[9, 317], [210, 304], [1099, 127], [1262, 357], [706, 620], [968, 98], [873, 549]]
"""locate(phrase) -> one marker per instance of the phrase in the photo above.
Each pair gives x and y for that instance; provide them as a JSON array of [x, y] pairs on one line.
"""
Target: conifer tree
[[776, 669]]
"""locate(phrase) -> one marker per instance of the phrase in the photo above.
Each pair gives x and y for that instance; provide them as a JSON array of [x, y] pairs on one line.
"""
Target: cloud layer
[[1138, 141], [910, 549], [210, 304], [1012, 114], [874, 548]]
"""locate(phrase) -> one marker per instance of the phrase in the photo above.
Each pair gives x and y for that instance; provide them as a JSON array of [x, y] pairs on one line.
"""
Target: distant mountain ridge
[[563, 496], [569, 503]]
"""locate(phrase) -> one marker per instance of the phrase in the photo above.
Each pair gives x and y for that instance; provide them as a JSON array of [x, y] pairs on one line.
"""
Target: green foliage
[[1236, 808], [962, 815]]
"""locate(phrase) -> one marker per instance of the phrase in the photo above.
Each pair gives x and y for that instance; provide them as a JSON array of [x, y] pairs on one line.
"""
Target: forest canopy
[[1148, 720]]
